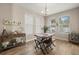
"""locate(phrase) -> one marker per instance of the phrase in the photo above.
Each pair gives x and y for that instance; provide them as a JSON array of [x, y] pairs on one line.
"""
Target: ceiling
[[52, 7]]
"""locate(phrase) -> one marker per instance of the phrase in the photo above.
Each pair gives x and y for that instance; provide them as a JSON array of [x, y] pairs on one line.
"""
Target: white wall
[[5, 13], [18, 16]]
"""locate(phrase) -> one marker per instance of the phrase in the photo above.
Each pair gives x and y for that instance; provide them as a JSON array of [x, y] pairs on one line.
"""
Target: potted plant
[[45, 28]]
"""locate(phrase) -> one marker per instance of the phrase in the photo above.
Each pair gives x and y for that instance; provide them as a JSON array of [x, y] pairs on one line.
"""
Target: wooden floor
[[62, 48]]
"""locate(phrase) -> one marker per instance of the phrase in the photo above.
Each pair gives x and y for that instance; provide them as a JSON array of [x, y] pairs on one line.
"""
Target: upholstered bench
[[74, 37]]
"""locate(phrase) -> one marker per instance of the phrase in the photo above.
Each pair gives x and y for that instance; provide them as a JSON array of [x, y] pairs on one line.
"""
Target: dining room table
[[44, 38]]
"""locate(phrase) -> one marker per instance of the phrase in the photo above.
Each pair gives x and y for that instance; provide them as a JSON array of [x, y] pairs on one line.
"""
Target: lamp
[[45, 10]]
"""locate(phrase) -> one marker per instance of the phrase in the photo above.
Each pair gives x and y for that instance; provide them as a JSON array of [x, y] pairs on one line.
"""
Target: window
[[64, 24], [53, 25], [33, 25]]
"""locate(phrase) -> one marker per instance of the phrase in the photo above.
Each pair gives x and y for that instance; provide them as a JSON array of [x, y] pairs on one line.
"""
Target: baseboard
[[29, 40], [60, 38]]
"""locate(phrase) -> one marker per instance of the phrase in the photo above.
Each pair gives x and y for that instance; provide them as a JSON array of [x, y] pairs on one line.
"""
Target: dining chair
[[48, 42], [39, 44]]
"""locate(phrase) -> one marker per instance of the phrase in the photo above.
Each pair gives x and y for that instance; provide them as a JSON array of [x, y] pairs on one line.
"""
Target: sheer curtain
[[33, 25], [39, 24], [29, 24]]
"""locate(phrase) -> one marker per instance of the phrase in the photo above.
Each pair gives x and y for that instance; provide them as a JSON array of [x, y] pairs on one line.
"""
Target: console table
[[12, 40]]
